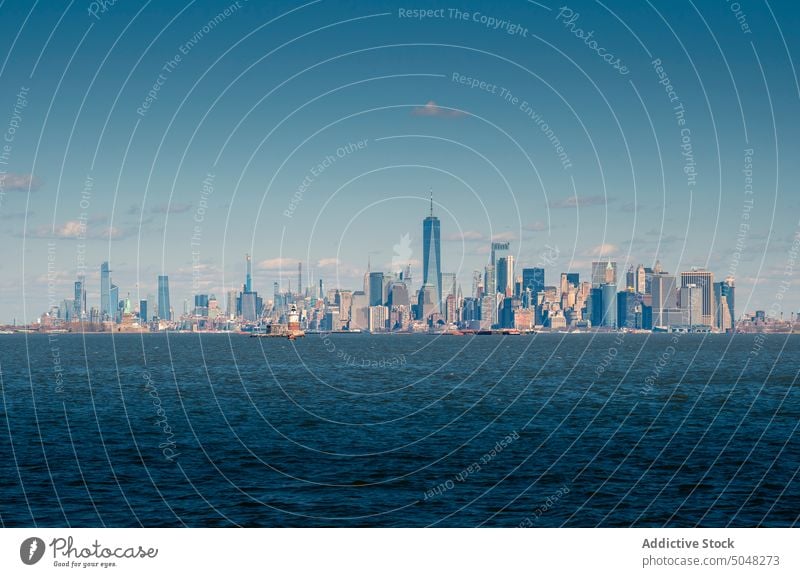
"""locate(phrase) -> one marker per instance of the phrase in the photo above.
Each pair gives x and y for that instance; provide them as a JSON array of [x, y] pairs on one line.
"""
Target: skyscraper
[[201, 305], [489, 301], [113, 296], [640, 278], [230, 305], [477, 284], [366, 277], [432, 256], [300, 289], [691, 304], [498, 247], [724, 304], [376, 296], [448, 284], [398, 295], [79, 304], [609, 296], [564, 285], [630, 279], [665, 299], [163, 298], [377, 319], [359, 311], [604, 272], [426, 305], [251, 305], [729, 292], [505, 275], [629, 310], [105, 291], [248, 279], [533, 278], [704, 280], [494, 262], [489, 281]]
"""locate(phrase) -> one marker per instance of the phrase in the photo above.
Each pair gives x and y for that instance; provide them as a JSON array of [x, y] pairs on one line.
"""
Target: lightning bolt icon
[[34, 547]]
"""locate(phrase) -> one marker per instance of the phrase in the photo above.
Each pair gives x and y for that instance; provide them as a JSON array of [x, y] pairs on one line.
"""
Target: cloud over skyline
[[433, 109]]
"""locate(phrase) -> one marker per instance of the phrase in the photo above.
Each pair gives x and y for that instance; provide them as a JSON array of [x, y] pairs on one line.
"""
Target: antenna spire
[[431, 193]]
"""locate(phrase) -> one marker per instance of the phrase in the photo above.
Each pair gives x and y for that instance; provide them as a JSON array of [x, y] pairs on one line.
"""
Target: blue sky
[[264, 93]]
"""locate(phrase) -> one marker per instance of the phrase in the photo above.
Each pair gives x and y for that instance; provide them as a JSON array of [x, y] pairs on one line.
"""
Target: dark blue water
[[353, 430]]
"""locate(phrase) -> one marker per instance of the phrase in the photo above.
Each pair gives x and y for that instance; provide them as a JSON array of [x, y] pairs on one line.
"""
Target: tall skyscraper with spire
[[366, 276], [105, 291], [431, 254], [248, 280]]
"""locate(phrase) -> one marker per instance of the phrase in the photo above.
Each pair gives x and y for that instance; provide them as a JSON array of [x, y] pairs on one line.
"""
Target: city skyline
[[502, 298]]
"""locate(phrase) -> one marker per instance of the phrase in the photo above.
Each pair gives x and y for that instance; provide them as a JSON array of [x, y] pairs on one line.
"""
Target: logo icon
[[31, 551]]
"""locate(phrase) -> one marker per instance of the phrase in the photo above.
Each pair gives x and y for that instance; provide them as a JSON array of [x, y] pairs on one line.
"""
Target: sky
[[173, 138]]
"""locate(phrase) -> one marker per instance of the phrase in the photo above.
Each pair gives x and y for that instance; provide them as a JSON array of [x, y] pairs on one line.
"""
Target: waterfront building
[[690, 302], [629, 310], [331, 321], [164, 308], [609, 298], [665, 299], [201, 305], [724, 304], [449, 284], [705, 283], [252, 306], [113, 302], [505, 276], [359, 311], [640, 280], [398, 295], [343, 300], [378, 319], [230, 304], [533, 279], [79, 302], [376, 292], [427, 304], [105, 292]]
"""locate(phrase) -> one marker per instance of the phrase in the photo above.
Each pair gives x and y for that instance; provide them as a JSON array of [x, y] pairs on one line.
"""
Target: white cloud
[[433, 109], [13, 181], [605, 249], [504, 237], [76, 229], [328, 262], [279, 264]]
